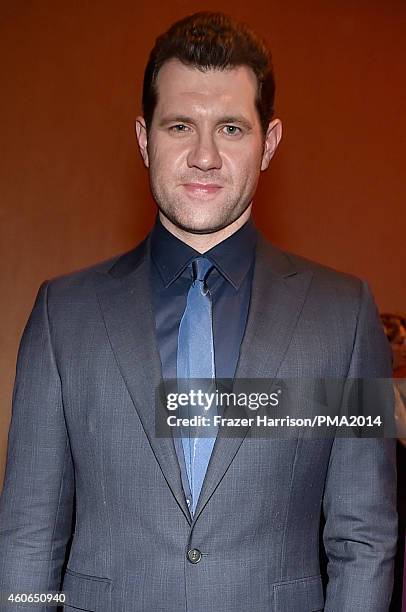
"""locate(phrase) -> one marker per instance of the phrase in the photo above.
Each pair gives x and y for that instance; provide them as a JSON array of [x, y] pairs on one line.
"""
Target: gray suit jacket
[[83, 451]]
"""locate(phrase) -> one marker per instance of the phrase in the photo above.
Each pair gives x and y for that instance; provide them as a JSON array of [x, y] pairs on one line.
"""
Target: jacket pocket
[[303, 595], [84, 592]]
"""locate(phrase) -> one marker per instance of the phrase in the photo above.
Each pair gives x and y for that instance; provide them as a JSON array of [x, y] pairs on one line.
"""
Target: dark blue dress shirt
[[229, 284]]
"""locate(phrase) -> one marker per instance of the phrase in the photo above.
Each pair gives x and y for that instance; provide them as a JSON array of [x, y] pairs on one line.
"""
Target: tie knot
[[200, 268]]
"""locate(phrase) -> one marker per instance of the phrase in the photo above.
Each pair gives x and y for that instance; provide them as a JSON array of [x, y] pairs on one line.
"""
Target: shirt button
[[188, 501], [194, 555]]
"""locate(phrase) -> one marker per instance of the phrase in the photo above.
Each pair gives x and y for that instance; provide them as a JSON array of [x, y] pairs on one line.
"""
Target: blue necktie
[[195, 360]]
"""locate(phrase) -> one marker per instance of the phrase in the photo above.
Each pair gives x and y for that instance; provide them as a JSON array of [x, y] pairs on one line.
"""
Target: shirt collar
[[232, 257]]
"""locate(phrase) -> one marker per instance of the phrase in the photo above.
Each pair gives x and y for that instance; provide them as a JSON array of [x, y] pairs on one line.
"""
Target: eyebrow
[[236, 119], [226, 119], [175, 119]]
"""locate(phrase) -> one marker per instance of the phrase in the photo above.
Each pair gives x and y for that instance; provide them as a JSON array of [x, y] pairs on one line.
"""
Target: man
[[171, 524]]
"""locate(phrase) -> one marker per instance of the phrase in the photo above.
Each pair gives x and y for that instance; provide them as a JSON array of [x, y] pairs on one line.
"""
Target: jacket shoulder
[[83, 278], [286, 263], [326, 274]]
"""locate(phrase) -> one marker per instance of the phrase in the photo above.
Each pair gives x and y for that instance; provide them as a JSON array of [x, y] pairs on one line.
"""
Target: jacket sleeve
[[37, 500], [360, 496]]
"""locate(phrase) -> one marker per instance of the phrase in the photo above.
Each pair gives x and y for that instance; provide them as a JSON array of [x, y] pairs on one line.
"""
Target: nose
[[204, 154]]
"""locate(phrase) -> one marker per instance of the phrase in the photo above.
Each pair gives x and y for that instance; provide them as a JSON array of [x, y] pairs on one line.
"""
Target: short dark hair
[[392, 324], [207, 41]]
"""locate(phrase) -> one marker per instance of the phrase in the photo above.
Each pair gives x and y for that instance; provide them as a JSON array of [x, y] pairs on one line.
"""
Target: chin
[[203, 226], [198, 223]]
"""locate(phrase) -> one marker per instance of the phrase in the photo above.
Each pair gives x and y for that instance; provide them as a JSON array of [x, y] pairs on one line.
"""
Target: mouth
[[202, 190]]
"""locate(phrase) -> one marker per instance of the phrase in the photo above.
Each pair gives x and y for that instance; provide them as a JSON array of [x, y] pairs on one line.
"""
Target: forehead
[[230, 90]]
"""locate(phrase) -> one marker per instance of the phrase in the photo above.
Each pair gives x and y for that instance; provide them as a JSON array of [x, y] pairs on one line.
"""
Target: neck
[[204, 242]]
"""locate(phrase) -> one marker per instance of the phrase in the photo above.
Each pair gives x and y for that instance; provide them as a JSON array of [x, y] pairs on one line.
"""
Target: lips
[[202, 189]]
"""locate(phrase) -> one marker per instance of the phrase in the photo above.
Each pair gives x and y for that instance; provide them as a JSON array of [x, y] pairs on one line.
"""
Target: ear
[[272, 139], [142, 137]]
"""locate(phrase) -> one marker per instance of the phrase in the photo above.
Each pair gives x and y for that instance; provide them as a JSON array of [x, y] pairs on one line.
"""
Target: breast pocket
[[303, 595], [84, 592]]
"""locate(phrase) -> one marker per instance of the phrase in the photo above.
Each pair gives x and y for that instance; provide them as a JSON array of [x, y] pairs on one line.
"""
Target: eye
[[179, 128], [231, 130]]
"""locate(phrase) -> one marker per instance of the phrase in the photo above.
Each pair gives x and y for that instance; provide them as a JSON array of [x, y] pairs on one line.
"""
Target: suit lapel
[[126, 305], [277, 297], [278, 294]]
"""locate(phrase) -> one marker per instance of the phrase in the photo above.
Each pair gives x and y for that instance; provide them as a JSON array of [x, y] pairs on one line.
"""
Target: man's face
[[205, 147]]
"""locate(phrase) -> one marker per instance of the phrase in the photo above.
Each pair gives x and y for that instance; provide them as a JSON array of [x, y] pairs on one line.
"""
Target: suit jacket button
[[194, 555]]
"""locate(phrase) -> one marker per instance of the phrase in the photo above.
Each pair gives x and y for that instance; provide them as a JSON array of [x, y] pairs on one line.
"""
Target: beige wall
[[73, 189]]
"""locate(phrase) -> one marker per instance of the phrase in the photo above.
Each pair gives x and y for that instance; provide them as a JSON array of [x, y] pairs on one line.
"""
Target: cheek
[[166, 160], [243, 163], [245, 170]]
